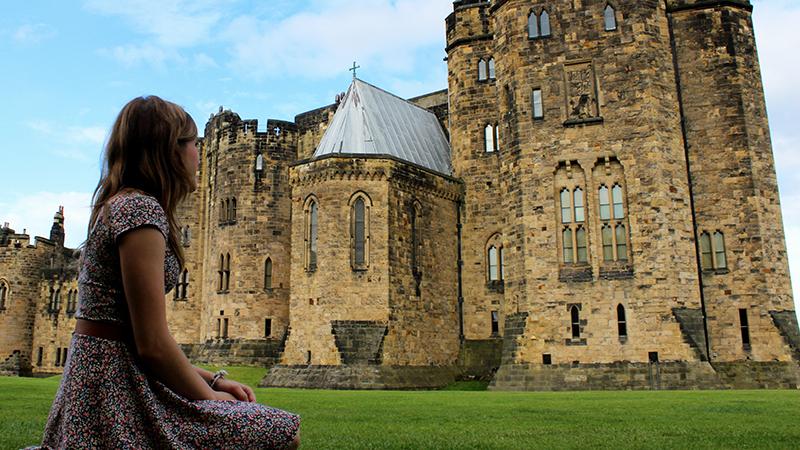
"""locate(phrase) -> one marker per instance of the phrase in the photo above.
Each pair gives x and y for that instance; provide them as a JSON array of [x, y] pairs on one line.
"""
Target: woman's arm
[[141, 254]]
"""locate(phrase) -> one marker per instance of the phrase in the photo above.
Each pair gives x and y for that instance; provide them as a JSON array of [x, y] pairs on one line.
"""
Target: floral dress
[[107, 400]]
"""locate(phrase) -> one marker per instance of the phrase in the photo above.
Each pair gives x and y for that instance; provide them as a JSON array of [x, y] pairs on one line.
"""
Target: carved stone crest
[[580, 87]]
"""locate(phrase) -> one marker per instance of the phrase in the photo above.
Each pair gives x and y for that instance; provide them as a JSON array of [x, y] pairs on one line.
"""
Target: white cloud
[[381, 35], [71, 142], [134, 55], [203, 61], [172, 23], [34, 213], [775, 23], [33, 33]]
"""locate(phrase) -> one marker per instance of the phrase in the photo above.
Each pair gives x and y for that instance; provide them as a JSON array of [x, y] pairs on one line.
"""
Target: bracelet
[[218, 375]]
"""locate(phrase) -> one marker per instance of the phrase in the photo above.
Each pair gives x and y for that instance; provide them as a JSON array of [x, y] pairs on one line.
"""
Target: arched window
[[622, 244], [706, 258], [622, 324], [578, 203], [567, 240], [233, 209], [268, 273], [311, 234], [533, 25], [612, 210], [608, 242], [575, 321], [186, 236], [605, 203], [492, 75], [358, 233], [616, 196], [259, 163], [494, 264], [222, 211], [544, 24], [610, 18], [221, 273], [489, 138], [483, 72], [580, 243], [720, 262], [227, 272], [184, 284], [536, 103], [3, 294], [573, 214], [416, 241], [57, 300], [566, 206]]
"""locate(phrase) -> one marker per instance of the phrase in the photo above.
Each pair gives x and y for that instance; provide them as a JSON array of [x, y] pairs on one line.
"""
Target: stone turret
[[57, 230]]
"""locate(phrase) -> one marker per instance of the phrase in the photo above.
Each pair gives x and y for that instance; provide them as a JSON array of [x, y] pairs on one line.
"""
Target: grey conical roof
[[372, 121]]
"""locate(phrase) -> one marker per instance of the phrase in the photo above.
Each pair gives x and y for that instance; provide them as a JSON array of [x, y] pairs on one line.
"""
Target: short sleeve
[[129, 212]]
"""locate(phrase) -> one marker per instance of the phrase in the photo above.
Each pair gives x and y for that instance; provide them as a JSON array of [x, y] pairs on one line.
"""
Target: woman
[[126, 382]]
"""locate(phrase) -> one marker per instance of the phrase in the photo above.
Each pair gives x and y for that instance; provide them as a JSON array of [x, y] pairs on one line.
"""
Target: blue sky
[[69, 66]]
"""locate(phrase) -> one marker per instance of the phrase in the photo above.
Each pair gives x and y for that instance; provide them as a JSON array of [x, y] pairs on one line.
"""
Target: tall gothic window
[[744, 327], [533, 25], [610, 18], [311, 234], [494, 264], [492, 74], [720, 261], [538, 25], [575, 321], [490, 138], [259, 163], [186, 236], [536, 104], [483, 70], [221, 273], [612, 210], [622, 324], [182, 288], [544, 24], [3, 294], [227, 272], [359, 231], [712, 251], [416, 239], [573, 216], [268, 274], [233, 209]]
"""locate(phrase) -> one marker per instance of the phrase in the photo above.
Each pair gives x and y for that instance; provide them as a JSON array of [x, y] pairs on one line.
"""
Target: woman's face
[[191, 160]]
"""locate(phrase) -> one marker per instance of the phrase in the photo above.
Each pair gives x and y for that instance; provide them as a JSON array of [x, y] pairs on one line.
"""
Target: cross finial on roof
[[355, 67]]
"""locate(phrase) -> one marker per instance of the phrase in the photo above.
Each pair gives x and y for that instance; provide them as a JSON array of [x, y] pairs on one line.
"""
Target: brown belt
[[105, 330]]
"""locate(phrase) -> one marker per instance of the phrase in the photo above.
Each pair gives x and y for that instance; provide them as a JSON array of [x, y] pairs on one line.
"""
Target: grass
[[466, 416]]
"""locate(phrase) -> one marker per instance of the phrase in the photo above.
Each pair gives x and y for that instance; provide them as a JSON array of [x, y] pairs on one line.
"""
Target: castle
[[591, 204]]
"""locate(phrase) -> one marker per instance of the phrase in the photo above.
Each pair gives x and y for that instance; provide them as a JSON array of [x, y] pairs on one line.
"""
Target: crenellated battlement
[[683, 5], [469, 22]]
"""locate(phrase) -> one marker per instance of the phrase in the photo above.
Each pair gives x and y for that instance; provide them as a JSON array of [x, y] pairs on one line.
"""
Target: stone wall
[[334, 290], [733, 176], [20, 266], [256, 229], [474, 104]]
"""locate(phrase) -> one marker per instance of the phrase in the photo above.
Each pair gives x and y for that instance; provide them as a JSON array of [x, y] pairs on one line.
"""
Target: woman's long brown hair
[[143, 153]]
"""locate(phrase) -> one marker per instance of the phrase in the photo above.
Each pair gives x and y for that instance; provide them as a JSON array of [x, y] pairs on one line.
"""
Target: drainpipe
[[459, 226], [688, 177]]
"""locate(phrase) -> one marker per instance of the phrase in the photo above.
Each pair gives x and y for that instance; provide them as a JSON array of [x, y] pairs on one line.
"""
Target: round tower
[[477, 139]]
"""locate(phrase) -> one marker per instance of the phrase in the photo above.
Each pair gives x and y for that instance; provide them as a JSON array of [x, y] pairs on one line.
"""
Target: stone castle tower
[[618, 153], [591, 204]]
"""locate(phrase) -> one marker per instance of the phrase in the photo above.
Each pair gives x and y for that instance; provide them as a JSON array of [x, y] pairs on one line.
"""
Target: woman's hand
[[224, 396], [235, 389]]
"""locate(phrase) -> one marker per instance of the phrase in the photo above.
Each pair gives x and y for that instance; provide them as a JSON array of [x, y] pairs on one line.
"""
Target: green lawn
[[466, 417]]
